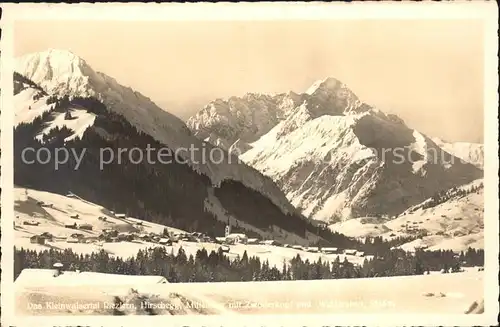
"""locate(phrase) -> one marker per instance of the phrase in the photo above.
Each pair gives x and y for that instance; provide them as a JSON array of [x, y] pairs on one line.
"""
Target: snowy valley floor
[[435, 293]]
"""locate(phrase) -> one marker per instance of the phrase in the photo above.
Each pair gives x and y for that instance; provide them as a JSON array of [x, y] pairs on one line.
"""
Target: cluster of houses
[[240, 238]]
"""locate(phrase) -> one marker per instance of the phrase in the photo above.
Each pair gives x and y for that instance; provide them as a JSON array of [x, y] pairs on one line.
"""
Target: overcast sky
[[430, 73]]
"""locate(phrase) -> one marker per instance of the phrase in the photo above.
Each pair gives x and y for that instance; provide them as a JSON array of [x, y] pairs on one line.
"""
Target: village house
[[125, 237], [350, 252], [104, 237], [73, 226], [188, 238], [165, 241], [31, 223], [224, 248], [207, 239], [73, 239], [253, 241], [112, 233], [145, 237], [220, 240], [329, 250], [270, 242], [37, 239], [297, 247], [236, 239], [312, 249], [196, 234], [47, 236], [85, 226], [120, 215], [360, 253]]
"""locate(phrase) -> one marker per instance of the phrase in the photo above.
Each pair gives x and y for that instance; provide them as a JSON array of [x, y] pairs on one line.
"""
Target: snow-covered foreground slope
[[333, 156], [53, 221], [455, 224], [435, 293], [61, 73]]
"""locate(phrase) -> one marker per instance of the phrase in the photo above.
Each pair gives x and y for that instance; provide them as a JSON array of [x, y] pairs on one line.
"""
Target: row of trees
[[217, 267]]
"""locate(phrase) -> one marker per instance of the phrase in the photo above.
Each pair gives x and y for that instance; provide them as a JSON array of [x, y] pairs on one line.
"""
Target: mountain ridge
[[327, 136]]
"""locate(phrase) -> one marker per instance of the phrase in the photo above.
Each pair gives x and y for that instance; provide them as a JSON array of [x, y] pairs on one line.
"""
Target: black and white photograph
[[261, 160]]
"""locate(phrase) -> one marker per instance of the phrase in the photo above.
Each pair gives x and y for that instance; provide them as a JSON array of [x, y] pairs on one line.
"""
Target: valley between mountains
[[318, 168]]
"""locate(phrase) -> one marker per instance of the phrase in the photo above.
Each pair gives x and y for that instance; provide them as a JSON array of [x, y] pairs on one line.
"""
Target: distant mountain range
[[334, 156]]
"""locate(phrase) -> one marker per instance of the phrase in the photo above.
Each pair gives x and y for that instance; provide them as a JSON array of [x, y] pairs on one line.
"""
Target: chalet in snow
[[330, 250], [236, 239], [270, 242], [312, 249], [165, 241], [350, 251]]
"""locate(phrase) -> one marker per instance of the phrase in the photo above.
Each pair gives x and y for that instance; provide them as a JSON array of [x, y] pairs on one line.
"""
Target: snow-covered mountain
[[62, 73], [60, 98], [334, 156]]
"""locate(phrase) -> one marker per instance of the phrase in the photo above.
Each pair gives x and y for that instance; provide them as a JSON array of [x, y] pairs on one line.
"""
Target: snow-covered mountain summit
[[62, 73], [333, 155]]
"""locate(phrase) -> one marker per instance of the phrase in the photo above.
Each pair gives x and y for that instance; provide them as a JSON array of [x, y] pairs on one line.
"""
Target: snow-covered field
[[53, 219], [435, 293]]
